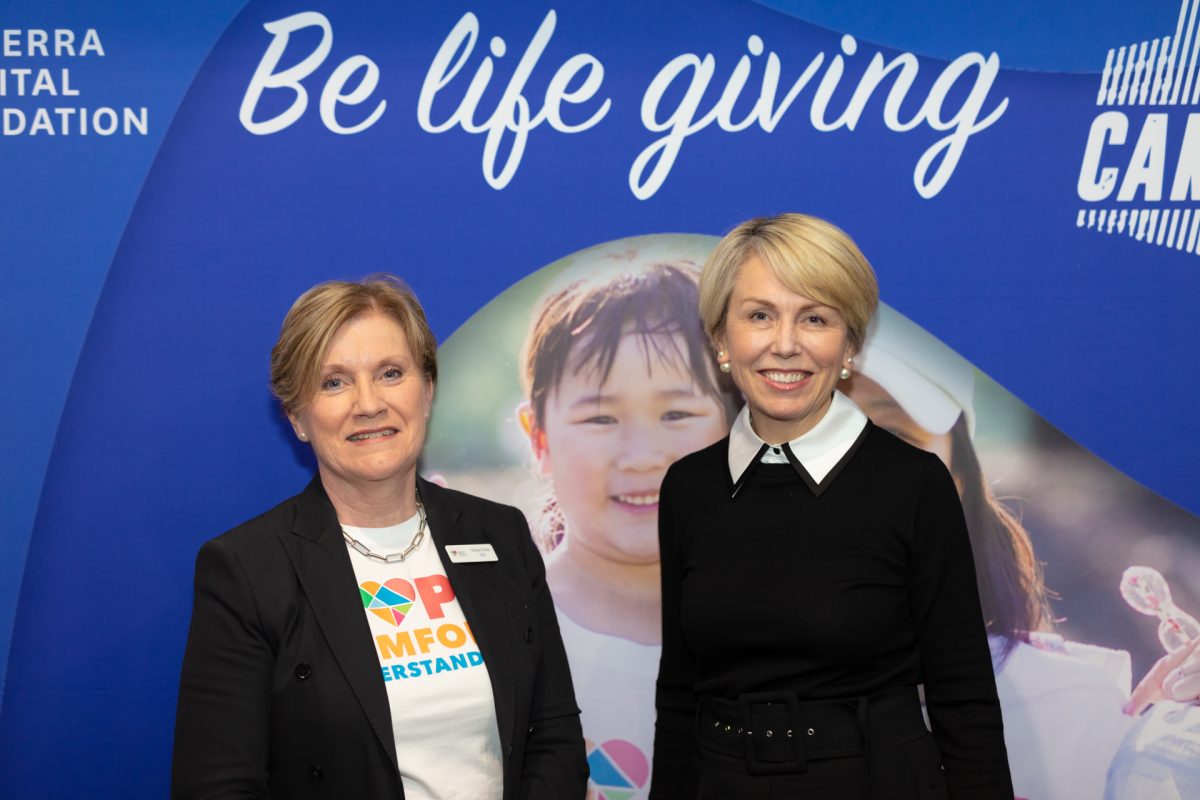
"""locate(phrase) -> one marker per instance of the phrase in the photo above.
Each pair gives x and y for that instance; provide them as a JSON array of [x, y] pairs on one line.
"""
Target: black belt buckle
[[785, 739]]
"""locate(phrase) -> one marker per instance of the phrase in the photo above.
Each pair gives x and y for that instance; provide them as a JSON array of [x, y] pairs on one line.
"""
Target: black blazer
[[281, 693]]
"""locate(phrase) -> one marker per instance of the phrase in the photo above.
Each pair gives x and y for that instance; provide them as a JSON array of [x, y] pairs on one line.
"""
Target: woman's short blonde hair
[[319, 313], [808, 255]]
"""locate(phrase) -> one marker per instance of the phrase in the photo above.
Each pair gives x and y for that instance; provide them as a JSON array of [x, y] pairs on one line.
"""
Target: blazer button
[[303, 671], [529, 634], [508, 750], [316, 773]]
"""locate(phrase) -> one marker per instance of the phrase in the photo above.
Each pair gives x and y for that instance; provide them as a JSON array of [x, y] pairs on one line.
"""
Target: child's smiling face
[[608, 443]]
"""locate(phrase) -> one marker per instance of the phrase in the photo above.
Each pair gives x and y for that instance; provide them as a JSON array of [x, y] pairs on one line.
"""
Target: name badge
[[471, 553]]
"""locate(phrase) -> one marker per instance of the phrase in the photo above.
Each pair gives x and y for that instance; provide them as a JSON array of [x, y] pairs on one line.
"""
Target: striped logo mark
[[1163, 75]]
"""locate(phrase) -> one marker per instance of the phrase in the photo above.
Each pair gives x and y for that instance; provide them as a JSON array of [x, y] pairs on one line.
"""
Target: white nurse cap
[[930, 381]]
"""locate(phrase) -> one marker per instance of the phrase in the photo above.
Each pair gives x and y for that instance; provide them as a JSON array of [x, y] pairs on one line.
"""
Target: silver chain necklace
[[391, 558]]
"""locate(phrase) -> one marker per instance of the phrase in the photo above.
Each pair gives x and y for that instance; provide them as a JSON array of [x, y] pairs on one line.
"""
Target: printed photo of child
[[618, 382]]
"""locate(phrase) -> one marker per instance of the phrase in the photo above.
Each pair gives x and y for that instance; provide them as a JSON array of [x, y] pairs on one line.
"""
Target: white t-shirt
[[614, 686], [1062, 715], [443, 711]]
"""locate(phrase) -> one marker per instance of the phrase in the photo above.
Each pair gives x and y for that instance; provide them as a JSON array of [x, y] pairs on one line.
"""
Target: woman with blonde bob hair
[[815, 568], [376, 635]]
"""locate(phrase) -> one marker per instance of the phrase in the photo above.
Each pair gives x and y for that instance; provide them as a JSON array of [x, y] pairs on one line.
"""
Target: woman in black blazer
[[375, 636]]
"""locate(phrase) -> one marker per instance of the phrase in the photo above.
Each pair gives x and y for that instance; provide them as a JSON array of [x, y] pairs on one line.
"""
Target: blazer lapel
[[475, 588], [318, 554]]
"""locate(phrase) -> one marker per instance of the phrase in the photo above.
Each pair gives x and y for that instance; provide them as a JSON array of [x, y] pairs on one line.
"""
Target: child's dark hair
[[580, 326], [1012, 589]]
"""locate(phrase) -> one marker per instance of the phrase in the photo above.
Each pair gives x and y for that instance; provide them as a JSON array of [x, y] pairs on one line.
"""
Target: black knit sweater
[[864, 582]]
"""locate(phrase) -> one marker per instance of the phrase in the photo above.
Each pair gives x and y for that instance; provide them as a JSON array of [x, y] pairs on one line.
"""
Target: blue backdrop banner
[[1024, 178]]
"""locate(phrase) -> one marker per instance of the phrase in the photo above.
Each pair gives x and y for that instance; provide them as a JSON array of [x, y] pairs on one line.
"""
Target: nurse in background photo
[[618, 386], [1061, 700]]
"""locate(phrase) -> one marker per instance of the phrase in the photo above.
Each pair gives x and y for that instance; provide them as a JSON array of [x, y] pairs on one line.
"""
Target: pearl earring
[[722, 363], [725, 367], [845, 373], [302, 436]]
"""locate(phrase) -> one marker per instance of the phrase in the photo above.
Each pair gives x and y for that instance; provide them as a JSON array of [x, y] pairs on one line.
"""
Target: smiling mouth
[[363, 437], [637, 499], [785, 378]]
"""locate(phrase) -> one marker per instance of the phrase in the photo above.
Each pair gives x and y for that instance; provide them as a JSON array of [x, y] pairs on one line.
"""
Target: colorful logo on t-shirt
[[389, 601], [443, 645], [619, 770]]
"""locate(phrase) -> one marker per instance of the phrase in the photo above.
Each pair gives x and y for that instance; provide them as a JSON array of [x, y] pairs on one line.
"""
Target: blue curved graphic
[[68, 201], [168, 434], [1030, 35]]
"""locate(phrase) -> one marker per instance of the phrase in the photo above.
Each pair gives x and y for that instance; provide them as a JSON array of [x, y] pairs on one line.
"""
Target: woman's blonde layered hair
[[808, 255], [315, 318]]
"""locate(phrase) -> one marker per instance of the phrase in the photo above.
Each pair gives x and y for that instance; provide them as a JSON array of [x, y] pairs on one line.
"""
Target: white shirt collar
[[818, 450]]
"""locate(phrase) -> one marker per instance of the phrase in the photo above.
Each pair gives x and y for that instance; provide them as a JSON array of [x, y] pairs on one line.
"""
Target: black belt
[[776, 732]]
